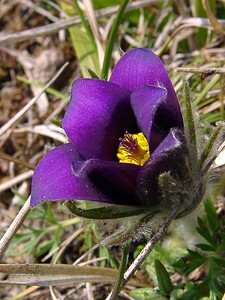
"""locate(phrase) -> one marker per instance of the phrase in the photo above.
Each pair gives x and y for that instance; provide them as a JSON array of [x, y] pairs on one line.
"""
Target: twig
[[16, 118], [17, 222]]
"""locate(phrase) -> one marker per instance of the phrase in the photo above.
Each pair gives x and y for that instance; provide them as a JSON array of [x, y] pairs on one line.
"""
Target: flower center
[[133, 149]]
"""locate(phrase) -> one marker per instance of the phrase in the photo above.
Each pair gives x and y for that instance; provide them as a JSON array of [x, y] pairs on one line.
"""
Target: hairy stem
[[149, 246]]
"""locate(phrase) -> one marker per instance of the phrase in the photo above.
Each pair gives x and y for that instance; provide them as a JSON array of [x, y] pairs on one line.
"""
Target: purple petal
[[147, 103], [113, 180], [168, 157], [139, 67], [153, 114], [54, 178], [98, 115]]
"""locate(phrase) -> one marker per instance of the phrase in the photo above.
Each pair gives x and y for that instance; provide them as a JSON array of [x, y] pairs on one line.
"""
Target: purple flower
[[124, 133]]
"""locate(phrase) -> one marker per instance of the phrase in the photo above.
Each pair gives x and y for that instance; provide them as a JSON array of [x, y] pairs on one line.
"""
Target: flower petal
[[54, 178], [98, 115], [149, 106], [113, 180], [139, 67], [170, 157]]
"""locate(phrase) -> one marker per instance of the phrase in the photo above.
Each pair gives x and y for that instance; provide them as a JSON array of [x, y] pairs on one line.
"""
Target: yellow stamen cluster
[[133, 149]]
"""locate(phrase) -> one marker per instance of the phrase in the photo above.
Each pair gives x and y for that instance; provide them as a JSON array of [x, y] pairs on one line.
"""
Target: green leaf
[[49, 90], [104, 251], [212, 216], [163, 278], [43, 249], [195, 255], [85, 52], [123, 265], [194, 265], [112, 38], [222, 235], [189, 124], [49, 216], [146, 294], [105, 212], [208, 154], [217, 284], [205, 247], [84, 45], [199, 11], [91, 73], [212, 295], [219, 261], [196, 291], [204, 232], [210, 85], [102, 3], [84, 23], [57, 123]]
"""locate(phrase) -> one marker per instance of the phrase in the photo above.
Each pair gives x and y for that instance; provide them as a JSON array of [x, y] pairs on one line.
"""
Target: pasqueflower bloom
[[132, 155], [123, 133]]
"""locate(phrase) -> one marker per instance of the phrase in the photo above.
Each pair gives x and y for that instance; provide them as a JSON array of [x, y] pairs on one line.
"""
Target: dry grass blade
[[216, 25], [48, 274], [16, 160], [8, 184], [39, 10], [63, 246], [24, 293], [6, 7], [90, 13], [55, 27], [201, 22], [208, 71], [46, 130], [17, 117]]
